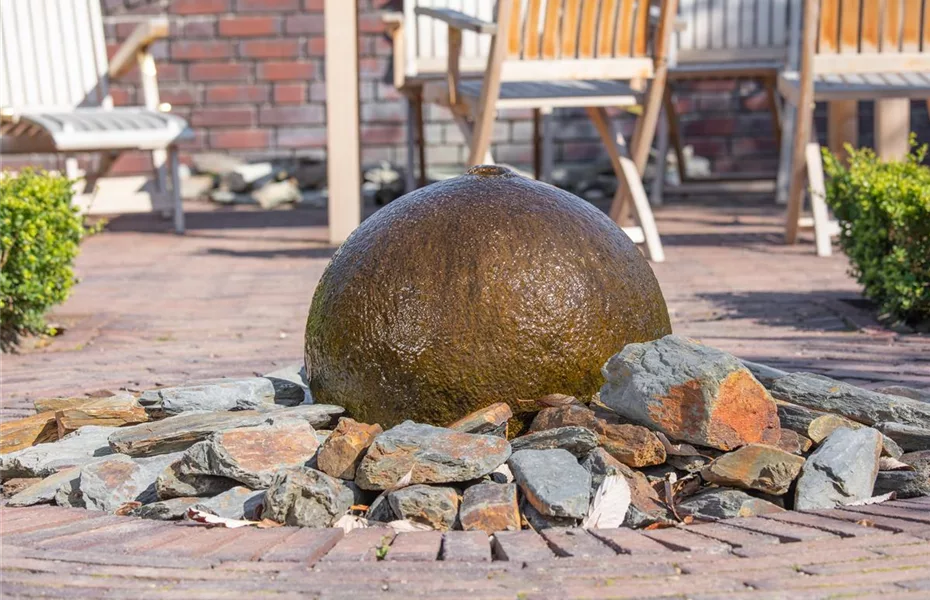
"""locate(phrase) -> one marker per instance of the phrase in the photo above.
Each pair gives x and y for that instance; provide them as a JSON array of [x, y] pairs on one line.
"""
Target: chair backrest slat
[[531, 25], [550, 37], [426, 40], [856, 38], [721, 31], [53, 55], [570, 20], [607, 28], [588, 29], [624, 45], [641, 29]]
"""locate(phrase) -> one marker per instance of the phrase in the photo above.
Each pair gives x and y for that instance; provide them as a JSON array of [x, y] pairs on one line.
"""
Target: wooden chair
[[56, 97], [877, 51], [420, 45], [723, 39], [546, 55]]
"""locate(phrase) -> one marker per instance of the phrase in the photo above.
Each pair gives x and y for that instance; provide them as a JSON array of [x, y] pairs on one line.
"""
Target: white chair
[[56, 99]]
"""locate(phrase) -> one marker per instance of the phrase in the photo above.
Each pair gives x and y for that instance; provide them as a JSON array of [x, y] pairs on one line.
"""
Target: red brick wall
[[249, 76]]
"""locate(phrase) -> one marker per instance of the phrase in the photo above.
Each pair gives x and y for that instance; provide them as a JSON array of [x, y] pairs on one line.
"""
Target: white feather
[[610, 504]]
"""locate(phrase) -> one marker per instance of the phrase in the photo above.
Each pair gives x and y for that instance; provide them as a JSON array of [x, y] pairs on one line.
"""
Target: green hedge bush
[[39, 236], [884, 212]]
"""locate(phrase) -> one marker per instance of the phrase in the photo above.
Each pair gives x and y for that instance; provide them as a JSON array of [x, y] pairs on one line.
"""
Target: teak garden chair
[[55, 95], [723, 39], [544, 55], [848, 51]]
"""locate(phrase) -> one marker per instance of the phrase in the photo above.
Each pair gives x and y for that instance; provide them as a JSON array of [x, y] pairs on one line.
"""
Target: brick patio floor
[[230, 299]]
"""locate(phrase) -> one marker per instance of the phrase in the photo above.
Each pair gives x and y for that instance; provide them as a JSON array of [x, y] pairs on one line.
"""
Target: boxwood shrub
[[884, 212], [39, 236]]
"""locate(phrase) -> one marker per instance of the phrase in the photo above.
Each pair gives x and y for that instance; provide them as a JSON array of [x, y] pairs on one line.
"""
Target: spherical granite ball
[[484, 288]]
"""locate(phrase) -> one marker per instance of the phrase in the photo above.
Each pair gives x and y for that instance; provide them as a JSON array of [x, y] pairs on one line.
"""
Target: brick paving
[[57, 552], [230, 299]]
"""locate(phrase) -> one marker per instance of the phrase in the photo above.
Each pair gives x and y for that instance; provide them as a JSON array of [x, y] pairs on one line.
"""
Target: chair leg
[[178, 209], [421, 135], [548, 149], [804, 128], [818, 194], [468, 131], [537, 143], [658, 180], [159, 161], [410, 182], [628, 177], [774, 107], [675, 134], [480, 140], [783, 179]]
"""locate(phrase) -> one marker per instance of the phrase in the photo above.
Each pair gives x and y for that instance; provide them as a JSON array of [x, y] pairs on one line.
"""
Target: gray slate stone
[[218, 395], [108, 483], [435, 506], [842, 470], [763, 373], [577, 440], [183, 431], [552, 481], [252, 455], [290, 384], [306, 497], [723, 503], [236, 503], [798, 419], [906, 392], [540, 521], [909, 438], [858, 404], [173, 484], [689, 392], [43, 492], [430, 454], [78, 448], [919, 459], [165, 510], [905, 484], [380, 510]]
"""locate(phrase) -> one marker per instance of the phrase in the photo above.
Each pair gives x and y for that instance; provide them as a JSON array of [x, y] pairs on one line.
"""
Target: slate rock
[[173, 484], [858, 404], [252, 455], [842, 470], [44, 491], [213, 396], [565, 416], [791, 441], [13, 486], [490, 507], [108, 483], [763, 373], [78, 448], [645, 505], [821, 428], [722, 503], [755, 467], [115, 411], [23, 433], [430, 454], [577, 440], [633, 445], [165, 510], [344, 448], [491, 420], [55, 404], [908, 437], [436, 506], [905, 484], [290, 385], [919, 459], [380, 510], [183, 431], [539, 521], [906, 392], [796, 418], [552, 481], [306, 497], [236, 503], [689, 392]]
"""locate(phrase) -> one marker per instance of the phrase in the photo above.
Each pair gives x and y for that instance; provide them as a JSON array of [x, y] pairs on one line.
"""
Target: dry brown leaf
[[887, 463], [865, 523], [268, 524], [874, 499], [127, 508], [204, 518], [677, 449], [658, 525]]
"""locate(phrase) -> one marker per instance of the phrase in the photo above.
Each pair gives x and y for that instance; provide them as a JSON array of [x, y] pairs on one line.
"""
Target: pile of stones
[[695, 433]]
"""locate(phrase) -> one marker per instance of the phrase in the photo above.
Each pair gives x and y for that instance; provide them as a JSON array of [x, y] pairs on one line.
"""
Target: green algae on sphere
[[484, 288]]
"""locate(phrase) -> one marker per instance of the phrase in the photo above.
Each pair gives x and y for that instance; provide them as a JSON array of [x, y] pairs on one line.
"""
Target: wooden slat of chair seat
[[731, 70], [559, 93], [95, 129], [859, 86]]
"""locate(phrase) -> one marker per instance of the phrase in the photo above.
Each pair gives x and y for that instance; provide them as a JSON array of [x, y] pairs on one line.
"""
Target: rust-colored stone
[[22, 433], [343, 449], [491, 420], [743, 411], [110, 412], [633, 445], [490, 507], [755, 467], [55, 404], [565, 416], [787, 440]]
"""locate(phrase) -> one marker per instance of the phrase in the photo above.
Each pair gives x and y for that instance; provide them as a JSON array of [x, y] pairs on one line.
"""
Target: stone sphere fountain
[[484, 288]]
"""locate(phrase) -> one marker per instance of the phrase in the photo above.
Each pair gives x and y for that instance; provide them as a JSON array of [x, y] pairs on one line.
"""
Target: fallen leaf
[[127, 508], [360, 507], [659, 525], [677, 449], [610, 504], [865, 523], [886, 463], [349, 522], [874, 499], [401, 483], [268, 524], [209, 519]]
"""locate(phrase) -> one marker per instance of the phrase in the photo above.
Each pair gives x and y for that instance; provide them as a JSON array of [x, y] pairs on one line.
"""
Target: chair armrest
[[458, 20], [139, 41], [392, 20]]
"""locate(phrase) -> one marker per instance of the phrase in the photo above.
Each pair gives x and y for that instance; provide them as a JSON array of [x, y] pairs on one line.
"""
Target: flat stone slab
[[183, 431], [78, 448], [841, 471], [552, 481]]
